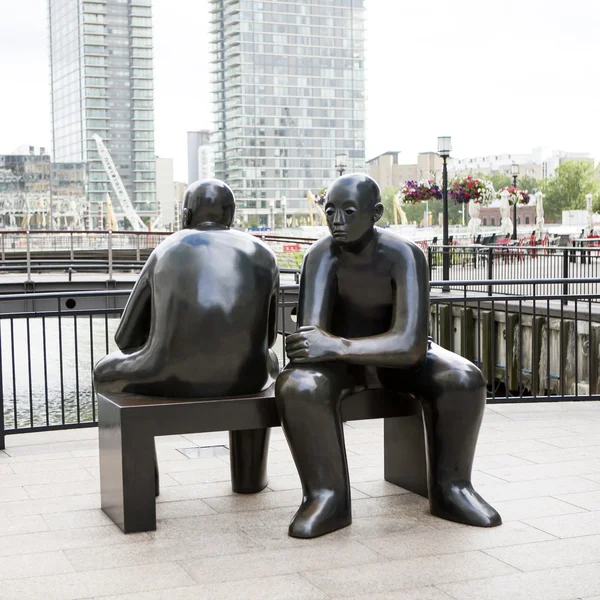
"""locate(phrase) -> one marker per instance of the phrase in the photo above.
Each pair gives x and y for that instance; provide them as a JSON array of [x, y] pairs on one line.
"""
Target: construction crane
[[118, 187]]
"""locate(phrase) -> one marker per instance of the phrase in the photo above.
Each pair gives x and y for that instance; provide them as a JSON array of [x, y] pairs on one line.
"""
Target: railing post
[[28, 239], [110, 255], [565, 274], [71, 242], [430, 261], [3, 254], [490, 268], [137, 249]]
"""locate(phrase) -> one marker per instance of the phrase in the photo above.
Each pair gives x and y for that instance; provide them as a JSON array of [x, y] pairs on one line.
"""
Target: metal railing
[[525, 263], [531, 347], [29, 249]]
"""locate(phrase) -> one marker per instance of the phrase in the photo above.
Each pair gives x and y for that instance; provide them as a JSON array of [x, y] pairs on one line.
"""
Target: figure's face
[[349, 216]]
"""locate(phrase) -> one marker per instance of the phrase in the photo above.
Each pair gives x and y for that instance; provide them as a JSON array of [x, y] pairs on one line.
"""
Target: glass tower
[[288, 95], [102, 82]]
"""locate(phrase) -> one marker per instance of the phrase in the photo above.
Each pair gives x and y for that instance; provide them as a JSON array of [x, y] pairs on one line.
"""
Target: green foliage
[[567, 189], [499, 180], [526, 182]]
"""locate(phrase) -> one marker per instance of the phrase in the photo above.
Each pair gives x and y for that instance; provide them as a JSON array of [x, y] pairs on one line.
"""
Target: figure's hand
[[311, 344]]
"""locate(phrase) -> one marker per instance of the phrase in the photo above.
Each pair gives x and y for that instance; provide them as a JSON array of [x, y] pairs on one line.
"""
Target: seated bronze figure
[[202, 319], [363, 323]]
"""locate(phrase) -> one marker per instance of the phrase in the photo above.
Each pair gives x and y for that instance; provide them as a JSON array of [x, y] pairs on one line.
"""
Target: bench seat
[[128, 424]]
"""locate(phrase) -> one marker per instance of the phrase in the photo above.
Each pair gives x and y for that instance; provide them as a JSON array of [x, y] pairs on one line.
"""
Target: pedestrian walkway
[[539, 465]]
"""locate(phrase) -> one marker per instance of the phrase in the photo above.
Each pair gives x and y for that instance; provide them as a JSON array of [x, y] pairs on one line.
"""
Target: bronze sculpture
[[363, 323], [201, 321]]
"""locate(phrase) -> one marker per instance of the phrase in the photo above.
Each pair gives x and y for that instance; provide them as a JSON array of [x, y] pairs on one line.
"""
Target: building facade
[[102, 83], [201, 162], [288, 95], [38, 194], [165, 191], [387, 170], [540, 163]]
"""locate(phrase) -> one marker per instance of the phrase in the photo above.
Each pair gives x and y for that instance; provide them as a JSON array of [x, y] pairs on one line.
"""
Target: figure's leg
[[249, 450], [308, 401], [452, 391]]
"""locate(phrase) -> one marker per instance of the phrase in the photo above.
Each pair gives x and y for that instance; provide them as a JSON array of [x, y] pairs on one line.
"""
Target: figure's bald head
[[209, 201], [358, 187], [352, 207]]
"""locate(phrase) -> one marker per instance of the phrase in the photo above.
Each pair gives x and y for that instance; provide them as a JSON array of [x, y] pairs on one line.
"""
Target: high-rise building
[[288, 95], [201, 163], [102, 83]]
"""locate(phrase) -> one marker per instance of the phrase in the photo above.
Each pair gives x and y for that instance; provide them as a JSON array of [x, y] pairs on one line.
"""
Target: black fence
[[531, 345], [514, 262]]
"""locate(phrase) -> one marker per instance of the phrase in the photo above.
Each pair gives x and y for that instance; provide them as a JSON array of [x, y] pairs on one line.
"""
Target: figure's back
[[212, 295]]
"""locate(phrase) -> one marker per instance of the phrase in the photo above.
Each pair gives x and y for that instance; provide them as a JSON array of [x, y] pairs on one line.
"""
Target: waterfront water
[[47, 365], [47, 368]]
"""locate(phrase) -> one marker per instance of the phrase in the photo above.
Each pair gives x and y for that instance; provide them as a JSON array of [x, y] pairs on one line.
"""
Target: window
[[526, 220]]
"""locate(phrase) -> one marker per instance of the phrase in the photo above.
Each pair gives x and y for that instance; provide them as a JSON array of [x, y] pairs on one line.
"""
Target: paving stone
[[406, 574], [151, 551], [33, 565], [23, 505], [564, 526], [280, 562], [73, 586], [565, 583], [290, 587], [501, 491], [550, 554], [16, 525], [76, 519], [514, 510], [53, 541], [586, 500], [457, 538]]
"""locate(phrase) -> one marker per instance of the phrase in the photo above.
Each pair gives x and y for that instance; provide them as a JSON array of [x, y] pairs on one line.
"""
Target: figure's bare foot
[[458, 501], [320, 513]]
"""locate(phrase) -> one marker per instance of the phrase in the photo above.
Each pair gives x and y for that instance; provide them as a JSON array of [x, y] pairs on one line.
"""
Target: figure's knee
[[295, 385], [107, 368], [470, 377], [456, 373]]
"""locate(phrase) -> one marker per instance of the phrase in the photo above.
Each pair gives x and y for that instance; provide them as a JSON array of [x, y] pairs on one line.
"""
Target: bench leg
[[127, 472], [156, 476], [249, 450], [405, 462]]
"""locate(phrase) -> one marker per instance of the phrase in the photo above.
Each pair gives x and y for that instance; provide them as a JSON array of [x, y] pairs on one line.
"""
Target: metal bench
[[128, 424]]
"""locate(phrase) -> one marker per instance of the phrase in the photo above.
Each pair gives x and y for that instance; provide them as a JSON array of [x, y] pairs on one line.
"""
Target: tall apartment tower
[[200, 156], [102, 82], [288, 95]]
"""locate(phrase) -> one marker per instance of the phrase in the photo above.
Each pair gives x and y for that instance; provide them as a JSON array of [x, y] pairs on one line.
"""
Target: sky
[[496, 75]]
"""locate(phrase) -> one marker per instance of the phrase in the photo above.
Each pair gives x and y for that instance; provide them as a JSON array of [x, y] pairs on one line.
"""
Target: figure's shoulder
[[395, 243], [321, 248]]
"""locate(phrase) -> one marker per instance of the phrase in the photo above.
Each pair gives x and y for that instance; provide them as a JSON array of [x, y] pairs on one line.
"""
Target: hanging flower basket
[[516, 195], [413, 192], [469, 189], [320, 196]]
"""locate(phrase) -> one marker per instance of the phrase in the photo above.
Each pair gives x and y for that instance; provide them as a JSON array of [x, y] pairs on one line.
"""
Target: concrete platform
[[538, 464]]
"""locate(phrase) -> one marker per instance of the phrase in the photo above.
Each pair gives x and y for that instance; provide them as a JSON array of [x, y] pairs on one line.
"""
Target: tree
[[567, 189]]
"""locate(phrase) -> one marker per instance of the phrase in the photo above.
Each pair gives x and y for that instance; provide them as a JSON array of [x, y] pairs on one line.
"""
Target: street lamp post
[[444, 148], [284, 211], [271, 214], [514, 171], [340, 163]]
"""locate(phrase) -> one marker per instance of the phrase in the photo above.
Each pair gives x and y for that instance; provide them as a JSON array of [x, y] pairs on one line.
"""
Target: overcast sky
[[497, 75]]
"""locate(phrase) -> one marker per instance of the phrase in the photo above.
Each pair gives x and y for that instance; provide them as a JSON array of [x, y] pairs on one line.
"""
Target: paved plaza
[[538, 464]]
